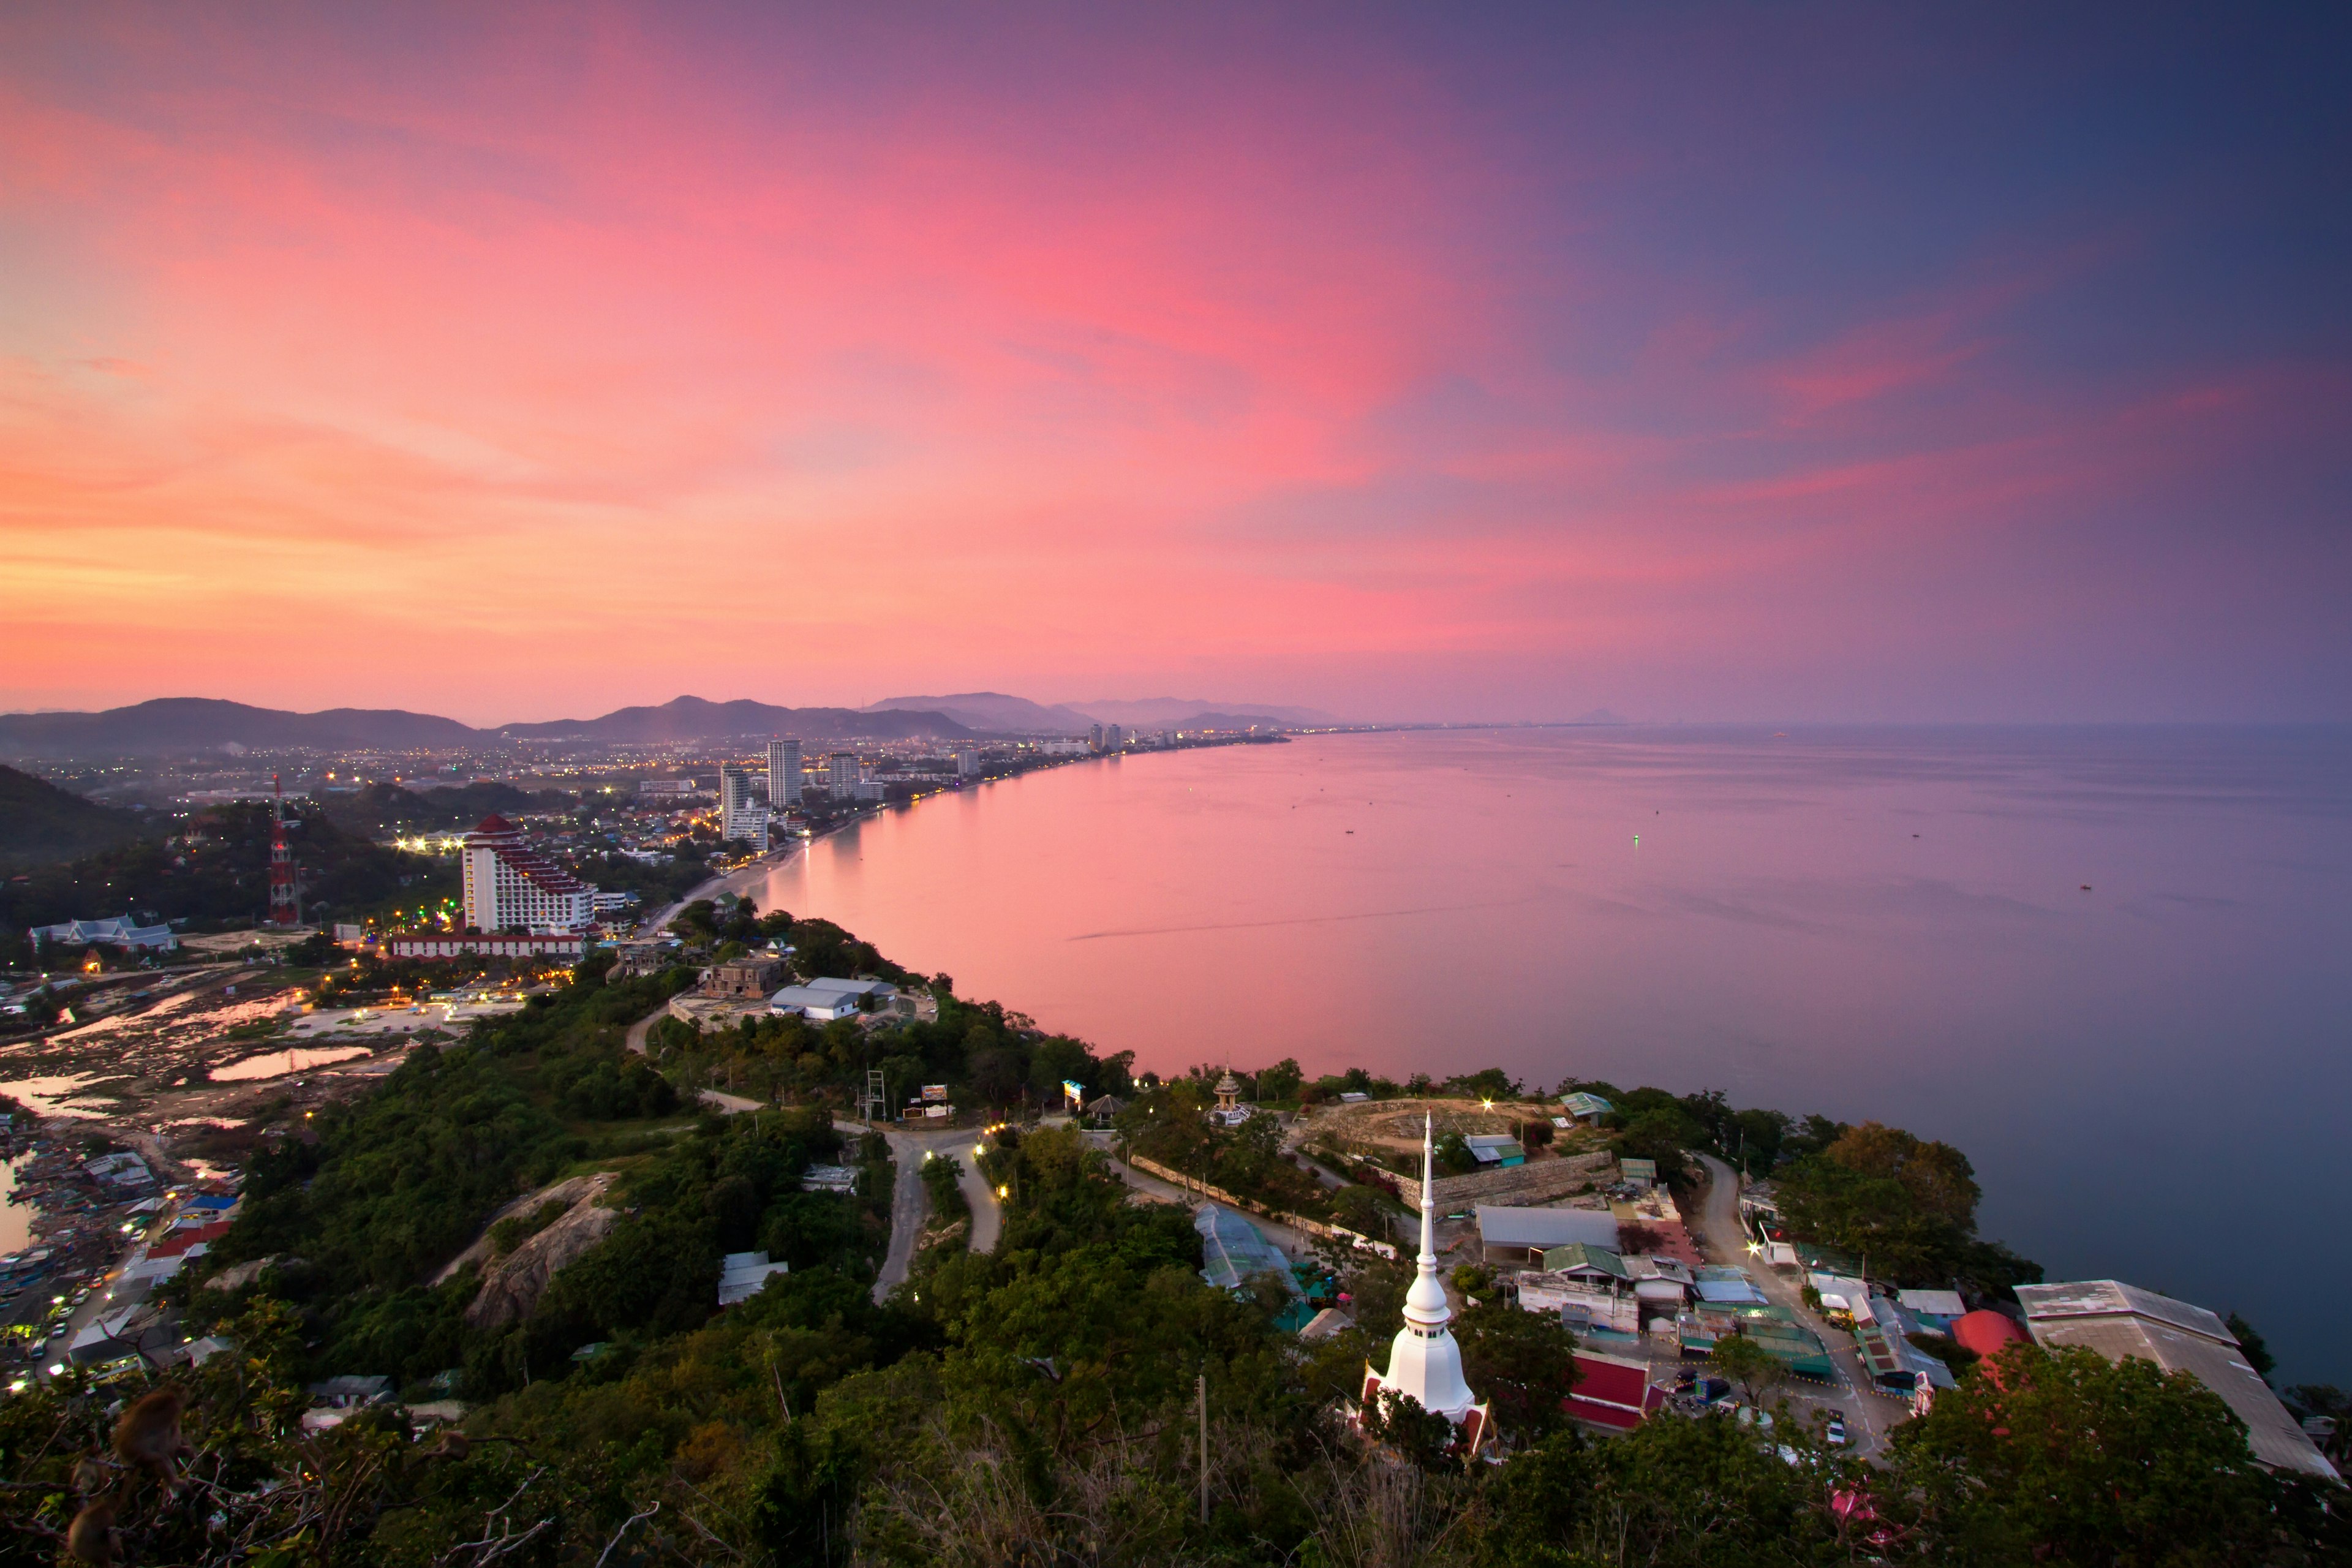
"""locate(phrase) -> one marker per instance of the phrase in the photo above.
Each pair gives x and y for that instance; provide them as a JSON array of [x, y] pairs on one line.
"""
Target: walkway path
[[1868, 1416], [1296, 1243]]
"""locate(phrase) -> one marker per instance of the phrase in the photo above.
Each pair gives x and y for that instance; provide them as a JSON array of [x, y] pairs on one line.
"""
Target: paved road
[[910, 1201], [635, 1038], [1868, 1416], [735, 881]]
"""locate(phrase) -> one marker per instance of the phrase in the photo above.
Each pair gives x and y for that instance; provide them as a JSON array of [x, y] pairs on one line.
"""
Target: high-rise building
[[1094, 736], [967, 763], [738, 817], [512, 887], [783, 774], [842, 774], [1113, 738]]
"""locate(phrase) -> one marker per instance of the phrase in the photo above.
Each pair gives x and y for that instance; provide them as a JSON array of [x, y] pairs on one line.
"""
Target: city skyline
[[1816, 364]]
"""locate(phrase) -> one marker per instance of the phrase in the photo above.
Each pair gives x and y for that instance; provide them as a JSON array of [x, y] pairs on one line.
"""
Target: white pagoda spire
[[1424, 1361]]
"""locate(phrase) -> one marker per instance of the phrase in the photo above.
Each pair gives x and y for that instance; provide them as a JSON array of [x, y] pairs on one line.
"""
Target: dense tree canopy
[[1036, 1404]]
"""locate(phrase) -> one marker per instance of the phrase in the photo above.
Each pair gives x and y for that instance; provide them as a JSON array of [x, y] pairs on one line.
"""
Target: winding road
[[910, 1201], [1868, 1416]]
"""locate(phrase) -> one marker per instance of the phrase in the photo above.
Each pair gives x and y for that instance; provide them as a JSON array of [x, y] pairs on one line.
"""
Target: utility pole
[[1204, 1450]]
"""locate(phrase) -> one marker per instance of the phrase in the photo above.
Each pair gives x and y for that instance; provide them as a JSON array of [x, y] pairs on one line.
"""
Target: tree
[[1522, 1364], [1422, 1436], [1664, 1135], [2258, 1354], [1937, 1177], [1668, 1494], [1487, 1083], [2326, 1400], [1359, 1209], [1282, 1081], [1751, 1368], [1453, 1156], [2067, 1457]]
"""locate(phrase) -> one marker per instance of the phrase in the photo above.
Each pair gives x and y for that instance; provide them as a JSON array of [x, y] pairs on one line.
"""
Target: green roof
[[1585, 1255]]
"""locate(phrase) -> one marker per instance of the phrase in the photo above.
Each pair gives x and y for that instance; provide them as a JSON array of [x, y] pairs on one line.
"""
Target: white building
[[822, 1001], [119, 931], [783, 774], [1424, 1362], [740, 818], [512, 887], [967, 760], [842, 774]]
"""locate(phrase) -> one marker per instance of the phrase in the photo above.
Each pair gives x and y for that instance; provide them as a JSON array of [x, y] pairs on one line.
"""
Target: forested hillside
[[380, 809], [213, 870], [41, 823], [1040, 1403]]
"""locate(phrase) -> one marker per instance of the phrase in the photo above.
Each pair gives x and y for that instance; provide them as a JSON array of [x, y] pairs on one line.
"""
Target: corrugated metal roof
[[2116, 1319], [1502, 1226], [2081, 1297], [1585, 1255]]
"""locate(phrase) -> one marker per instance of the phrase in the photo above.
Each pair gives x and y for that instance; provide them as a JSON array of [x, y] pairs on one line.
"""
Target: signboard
[[1077, 1095], [939, 1110], [935, 1094]]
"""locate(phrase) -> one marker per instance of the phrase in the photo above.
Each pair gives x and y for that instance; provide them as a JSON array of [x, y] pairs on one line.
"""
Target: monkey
[[451, 1446], [147, 1437], [92, 1536], [91, 1475]]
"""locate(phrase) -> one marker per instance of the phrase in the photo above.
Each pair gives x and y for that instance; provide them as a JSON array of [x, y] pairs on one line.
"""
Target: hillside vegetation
[[1038, 1405], [41, 824], [213, 871]]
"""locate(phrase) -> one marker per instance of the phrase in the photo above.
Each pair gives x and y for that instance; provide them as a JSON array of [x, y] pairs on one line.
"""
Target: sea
[[2114, 966]]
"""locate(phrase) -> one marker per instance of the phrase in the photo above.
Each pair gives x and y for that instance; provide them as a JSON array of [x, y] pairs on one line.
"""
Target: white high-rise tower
[[1424, 1361], [783, 774]]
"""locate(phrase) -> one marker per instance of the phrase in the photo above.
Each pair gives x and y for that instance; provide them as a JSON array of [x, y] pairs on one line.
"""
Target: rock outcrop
[[569, 1193], [512, 1285]]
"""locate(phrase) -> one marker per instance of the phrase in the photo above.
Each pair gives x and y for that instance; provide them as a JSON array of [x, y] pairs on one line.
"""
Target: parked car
[[1836, 1433]]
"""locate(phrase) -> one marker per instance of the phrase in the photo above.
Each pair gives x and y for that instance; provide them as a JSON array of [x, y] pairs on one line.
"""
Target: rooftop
[[1501, 1226]]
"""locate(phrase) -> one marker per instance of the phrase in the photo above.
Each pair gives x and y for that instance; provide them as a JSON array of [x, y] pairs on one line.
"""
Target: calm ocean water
[[2112, 964]]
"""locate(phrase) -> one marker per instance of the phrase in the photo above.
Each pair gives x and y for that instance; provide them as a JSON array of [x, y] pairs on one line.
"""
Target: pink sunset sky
[[508, 361]]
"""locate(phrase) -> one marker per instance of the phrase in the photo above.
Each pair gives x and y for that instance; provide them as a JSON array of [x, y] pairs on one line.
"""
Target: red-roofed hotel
[[510, 887]]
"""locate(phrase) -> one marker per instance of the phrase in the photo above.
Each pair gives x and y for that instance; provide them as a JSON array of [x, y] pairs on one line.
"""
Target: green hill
[[41, 823]]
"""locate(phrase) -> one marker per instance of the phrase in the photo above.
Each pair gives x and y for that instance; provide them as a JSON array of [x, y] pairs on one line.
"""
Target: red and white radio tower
[[284, 906]]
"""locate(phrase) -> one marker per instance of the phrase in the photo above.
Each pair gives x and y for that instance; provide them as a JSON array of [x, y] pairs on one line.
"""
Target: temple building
[[1424, 1362], [1230, 1112]]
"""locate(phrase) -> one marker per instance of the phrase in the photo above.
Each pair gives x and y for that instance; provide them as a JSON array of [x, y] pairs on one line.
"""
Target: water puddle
[[51, 1096], [278, 1064], [16, 1218]]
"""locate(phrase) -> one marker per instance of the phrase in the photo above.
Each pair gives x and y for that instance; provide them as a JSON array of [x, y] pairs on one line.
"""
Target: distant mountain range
[[1181, 713], [174, 724], [693, 718], [996, 713], [991, 711], [198, 724], [201, 724]]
